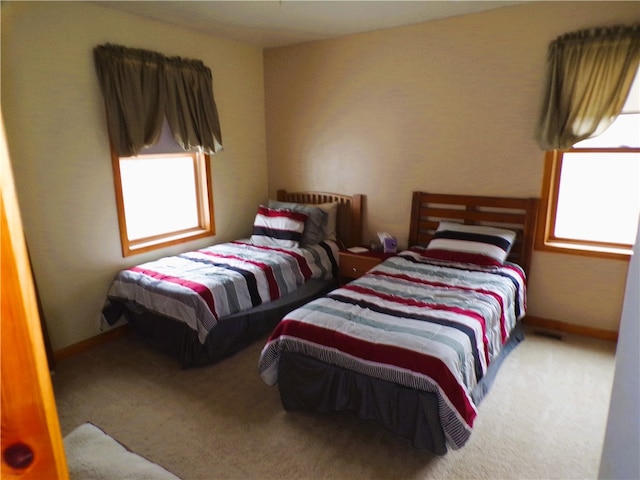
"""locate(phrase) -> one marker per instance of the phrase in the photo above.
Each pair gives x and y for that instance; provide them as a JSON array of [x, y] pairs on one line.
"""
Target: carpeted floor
[[544, 418]]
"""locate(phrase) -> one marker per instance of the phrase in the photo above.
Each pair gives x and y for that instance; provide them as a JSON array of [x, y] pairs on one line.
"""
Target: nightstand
[[354, 265]]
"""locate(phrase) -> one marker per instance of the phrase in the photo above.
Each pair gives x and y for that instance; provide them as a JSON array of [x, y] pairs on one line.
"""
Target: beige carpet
[[94, 455], [544, 418]]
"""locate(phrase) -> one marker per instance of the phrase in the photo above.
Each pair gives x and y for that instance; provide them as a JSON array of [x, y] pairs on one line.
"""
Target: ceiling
[[285, 22]]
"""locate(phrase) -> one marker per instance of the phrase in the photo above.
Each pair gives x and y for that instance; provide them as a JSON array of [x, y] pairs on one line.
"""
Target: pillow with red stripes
[[313, 227], [276, 227], [477, 244]]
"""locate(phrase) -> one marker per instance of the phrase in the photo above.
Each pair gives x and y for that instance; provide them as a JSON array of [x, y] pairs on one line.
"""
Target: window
[[163, 198], [162, 119], [591, 193]]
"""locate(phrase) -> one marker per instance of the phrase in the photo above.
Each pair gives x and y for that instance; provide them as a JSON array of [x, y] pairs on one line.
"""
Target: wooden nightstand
[[354, 265]]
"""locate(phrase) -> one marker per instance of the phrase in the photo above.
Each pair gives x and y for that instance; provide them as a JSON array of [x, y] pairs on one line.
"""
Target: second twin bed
[[415, 342]]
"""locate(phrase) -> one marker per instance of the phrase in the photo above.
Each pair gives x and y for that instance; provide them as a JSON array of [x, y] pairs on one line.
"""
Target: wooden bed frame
[[310, 385], [517, 214], [234, 332]]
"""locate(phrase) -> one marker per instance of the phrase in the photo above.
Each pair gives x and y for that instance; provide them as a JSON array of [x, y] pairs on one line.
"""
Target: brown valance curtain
[[589, 75], [142, 87]]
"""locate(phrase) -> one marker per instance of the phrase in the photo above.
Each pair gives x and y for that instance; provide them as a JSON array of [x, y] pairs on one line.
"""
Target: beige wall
[[444, 106], [59, 149]]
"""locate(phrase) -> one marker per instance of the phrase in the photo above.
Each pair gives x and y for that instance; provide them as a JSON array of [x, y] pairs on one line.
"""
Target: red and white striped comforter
[[201, 286], [433, 326]]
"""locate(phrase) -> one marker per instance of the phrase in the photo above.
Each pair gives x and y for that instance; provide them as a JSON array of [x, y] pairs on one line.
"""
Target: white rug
[[94, 455]]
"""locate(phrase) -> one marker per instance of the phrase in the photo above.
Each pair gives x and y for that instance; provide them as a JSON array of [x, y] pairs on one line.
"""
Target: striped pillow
[[313, 226], [278, 227], [470, 244]]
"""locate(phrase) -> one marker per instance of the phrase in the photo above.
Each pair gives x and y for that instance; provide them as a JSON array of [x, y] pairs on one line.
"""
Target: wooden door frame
[[31, 441]]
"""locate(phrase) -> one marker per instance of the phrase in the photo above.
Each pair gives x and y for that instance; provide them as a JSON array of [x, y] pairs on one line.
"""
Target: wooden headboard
[[517, 214], [350, 220]]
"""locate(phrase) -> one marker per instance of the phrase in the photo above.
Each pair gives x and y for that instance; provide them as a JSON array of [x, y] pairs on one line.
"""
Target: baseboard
[[563, 327], [85, 345]]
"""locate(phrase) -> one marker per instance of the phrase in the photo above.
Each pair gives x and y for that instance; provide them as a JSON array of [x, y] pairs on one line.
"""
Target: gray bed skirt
[[230, 335], [306, 384]]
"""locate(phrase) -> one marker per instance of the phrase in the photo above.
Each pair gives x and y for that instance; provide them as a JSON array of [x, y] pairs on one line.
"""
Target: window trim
[[204, 192], [545, 239]]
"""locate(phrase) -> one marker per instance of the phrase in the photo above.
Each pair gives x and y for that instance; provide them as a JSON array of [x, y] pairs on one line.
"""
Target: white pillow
[[278, 227]]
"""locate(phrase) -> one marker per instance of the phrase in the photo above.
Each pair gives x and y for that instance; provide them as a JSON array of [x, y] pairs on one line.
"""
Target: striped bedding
[[430, 325], [201, 286]]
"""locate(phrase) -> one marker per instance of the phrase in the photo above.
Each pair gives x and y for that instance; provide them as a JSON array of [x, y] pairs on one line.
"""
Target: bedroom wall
[[620, 457], [58, 143], [445, 106]]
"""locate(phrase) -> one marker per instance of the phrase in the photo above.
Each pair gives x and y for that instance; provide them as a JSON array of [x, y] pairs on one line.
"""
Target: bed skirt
[[307, 384], [230, 335]]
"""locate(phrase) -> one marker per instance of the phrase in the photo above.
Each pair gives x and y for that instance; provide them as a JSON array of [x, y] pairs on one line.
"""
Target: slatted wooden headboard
[[517, 214], [350, 220]]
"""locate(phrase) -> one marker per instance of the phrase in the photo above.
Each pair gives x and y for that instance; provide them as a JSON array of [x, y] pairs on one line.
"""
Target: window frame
[[545, 237], [204, 193]]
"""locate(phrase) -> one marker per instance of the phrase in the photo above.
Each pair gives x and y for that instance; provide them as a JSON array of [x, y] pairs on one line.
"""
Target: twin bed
[[414, 344], [202, 306]]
